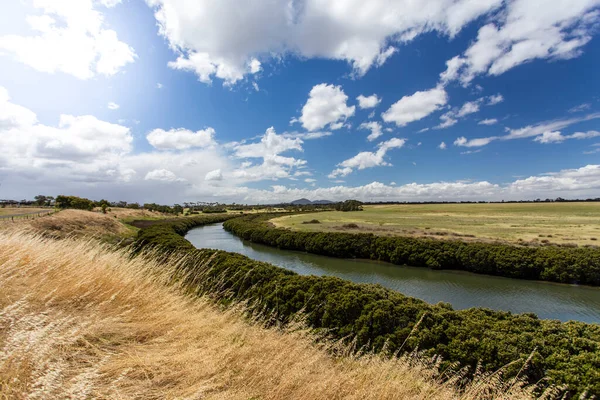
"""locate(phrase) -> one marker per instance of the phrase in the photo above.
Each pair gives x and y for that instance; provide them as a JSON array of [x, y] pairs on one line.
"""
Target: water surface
[[461, 289]]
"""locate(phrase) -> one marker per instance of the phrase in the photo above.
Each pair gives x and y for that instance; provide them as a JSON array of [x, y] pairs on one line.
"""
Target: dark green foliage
[[349, 205], [79, 203], [213, 211], [563, 353], [312, 221], [556, 264]]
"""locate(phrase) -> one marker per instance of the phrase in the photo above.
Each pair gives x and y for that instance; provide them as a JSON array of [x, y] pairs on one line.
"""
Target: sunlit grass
[[78, 320], [559, 223]]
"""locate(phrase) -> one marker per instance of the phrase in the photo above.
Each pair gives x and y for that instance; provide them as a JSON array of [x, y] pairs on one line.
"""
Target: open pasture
[[524, 223]]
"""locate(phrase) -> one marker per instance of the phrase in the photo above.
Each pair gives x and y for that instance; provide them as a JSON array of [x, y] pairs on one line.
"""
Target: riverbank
[[379, 319], [461, 289], [554, 264], [79, 320], [562, 224]]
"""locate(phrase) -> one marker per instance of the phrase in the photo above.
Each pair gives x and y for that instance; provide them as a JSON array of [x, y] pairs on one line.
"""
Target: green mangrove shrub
[[556, 264], [377, 319]]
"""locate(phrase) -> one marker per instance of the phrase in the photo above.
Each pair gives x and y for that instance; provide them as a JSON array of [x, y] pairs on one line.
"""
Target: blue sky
[[186, 100]]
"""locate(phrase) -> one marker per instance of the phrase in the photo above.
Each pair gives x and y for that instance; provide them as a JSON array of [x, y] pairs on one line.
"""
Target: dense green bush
[[556, 264], [79, 203], [349, 205], [377, 318]]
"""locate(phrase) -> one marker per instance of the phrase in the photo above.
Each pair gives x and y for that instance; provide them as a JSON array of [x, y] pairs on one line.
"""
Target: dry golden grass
[[77, 223], [21, 210], [78, 320]]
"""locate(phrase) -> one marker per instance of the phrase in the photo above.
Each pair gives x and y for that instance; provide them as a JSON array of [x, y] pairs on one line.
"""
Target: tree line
[[378, 319]]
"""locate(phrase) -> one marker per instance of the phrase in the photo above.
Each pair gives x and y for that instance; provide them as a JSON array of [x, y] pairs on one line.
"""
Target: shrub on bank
[[378, 318], [556, 264]]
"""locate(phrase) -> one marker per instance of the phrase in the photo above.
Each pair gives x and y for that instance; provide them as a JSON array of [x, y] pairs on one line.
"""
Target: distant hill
[[305, 202], [322, 202], [301, 202]]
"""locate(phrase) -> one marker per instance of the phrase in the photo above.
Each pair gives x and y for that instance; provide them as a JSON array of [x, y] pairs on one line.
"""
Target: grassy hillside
[[78, 320], [531, 223]]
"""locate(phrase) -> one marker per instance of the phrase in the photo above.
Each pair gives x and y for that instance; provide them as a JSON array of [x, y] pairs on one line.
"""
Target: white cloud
[[306, 135], [524, 33], [365, 102], [274, 166], [580, 108], [447, 120], [110, 3], [310, 180], [416, 107], [539, 129], [215, 175], [469, 107], [70, 37], [571, 183], [451, 117], [159, 85], [163, 175], [254, 66], [557, 137], [442, 146], [13, 115], [463, 142], [490, 121], [374, 127], [367, 159], [495, 99], [326, 105], [113, 106], [181, 139], [547, 127], [206, 34]]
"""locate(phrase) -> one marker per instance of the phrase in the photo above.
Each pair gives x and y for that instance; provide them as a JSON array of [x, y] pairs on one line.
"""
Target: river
[[461, 289]]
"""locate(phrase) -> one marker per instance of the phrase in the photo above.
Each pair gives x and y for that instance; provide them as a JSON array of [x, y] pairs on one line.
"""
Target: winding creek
[[461, 289]]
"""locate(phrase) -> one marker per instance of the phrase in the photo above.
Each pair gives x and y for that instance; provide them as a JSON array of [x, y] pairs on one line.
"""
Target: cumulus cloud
[[87, 156], [469, 107], [274, 166], [326, 105], [442, 146], [113, 106], [368, 101], [522, 34], [68, 36], [367, 159], [215, 175], [495, 99], [416, 106], [206, 34], [447, 121], [374, 127], [181, 139], [490, 121], [163, 175]]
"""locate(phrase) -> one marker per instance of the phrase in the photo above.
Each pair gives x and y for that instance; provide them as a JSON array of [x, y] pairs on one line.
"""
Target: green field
[[559, 223]]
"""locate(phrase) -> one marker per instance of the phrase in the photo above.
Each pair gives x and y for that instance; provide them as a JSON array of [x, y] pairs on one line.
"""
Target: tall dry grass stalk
[[78, 320]]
